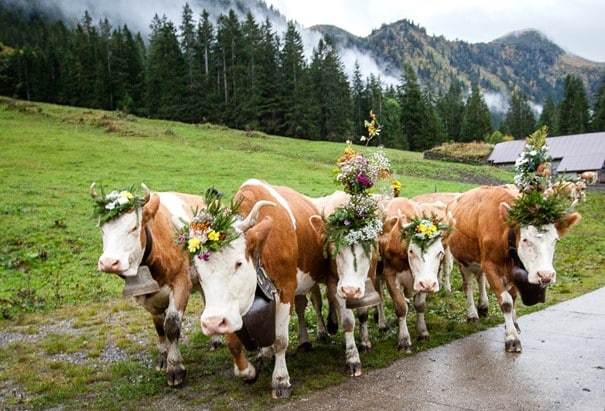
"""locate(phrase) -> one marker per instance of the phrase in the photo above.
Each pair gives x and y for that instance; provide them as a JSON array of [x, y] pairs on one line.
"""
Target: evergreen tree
[[549, 117], [413, 111], [359, 98], [103, 91], [331, 92], [477, 123], [166, 72], [227, 50], [598, 113], [450, 109], [295, 93], [268, 110], [520, 121], [208, 95], [392, 133], [188, 43], [573, 109]]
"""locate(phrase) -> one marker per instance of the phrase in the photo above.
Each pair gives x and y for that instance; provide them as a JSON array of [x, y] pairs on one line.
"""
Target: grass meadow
[[68, 340]]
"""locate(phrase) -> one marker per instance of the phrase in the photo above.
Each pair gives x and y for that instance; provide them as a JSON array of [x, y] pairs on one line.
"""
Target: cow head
[[229, 276], [124, 237], [424, 258], [536, 247]]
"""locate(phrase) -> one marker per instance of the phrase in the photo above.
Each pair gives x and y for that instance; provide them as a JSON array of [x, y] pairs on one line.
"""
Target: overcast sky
[[577, 26]]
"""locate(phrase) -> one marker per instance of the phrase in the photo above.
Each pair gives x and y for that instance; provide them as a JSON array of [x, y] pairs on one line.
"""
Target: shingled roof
[[574, 153]]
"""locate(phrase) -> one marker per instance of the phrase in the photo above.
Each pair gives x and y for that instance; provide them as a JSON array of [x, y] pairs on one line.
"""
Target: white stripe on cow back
[[276, 195], [177, 208]]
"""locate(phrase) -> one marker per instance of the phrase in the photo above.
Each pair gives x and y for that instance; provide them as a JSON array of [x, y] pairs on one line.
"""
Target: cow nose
[[214, 325], [350, 292], [428, 286], [547, 277], [109, 265]]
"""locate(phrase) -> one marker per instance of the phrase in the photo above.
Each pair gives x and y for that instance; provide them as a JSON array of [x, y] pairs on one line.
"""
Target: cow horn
[[147, 193], [93, 192], [253, 215]]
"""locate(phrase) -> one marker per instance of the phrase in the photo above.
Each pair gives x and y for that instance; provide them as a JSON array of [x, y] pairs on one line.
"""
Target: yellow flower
[[127, 195], [422, 228], [432, 228], [213, 235], [194, 244], [396, 184]]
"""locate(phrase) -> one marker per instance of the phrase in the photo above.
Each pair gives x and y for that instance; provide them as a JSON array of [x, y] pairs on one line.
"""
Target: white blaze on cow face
[[122, 248], [425, 266], [229, 283], [352, 266], [536, 250]]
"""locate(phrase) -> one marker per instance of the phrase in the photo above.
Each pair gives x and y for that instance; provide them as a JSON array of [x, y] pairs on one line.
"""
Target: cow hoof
[[472, 319], [423, 338], [383, 328], [354, 369], [162, 362], [332, 326], [251, 380], [482, 311], [366, 348], [305, 347], [323, 338], [281, 392], [405, 347], [177, 377], [513, 346], [216, 342]]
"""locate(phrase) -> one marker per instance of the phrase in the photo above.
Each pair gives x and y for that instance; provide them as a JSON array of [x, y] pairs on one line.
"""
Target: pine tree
[[208, 95], [188, 43], [573, 109], [477, 123], [598, 113], [413, 111], [450, 108], [520, 121], [549, 117]]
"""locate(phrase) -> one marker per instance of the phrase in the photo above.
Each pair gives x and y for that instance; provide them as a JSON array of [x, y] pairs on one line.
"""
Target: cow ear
[[565, 224], [318, 225], [389, 224], [257, 236], [151, 207], [504, 209]]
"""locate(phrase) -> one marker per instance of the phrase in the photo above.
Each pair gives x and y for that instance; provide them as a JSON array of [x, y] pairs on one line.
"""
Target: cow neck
[[148, 245], [512, 248], [263, 280]]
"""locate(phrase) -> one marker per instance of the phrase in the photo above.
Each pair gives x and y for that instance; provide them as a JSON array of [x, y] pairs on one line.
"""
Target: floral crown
[[533, 177], [424, 231], [357, 220], [211, 228], [115, 204]]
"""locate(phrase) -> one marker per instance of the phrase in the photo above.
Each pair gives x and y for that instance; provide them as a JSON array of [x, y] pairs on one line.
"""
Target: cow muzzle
[[546, 277], [427, 286], [215, 325]]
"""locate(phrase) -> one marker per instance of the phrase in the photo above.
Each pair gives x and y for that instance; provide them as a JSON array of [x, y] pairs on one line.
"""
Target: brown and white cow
[[146, 237], [438, 203], [275, 233], [589, 177], [405, 264], [482, 242]]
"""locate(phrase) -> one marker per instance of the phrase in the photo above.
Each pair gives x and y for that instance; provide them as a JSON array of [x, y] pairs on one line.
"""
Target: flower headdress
[[211, 228], [357, 220], [533, 177], [424, 231], [115, 204]]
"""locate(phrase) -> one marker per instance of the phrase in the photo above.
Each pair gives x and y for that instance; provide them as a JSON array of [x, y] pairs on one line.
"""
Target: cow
[[515, 259], [406, 264], [573, 190], [271, 237], [144, 236], [589, 177]]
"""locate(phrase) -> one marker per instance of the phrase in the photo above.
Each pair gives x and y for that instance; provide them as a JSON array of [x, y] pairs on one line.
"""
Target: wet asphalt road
[[562, 367]]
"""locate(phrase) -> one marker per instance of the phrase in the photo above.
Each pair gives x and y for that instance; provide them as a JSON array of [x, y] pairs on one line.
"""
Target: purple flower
[[364, 180], [205, 256], [347, 222]]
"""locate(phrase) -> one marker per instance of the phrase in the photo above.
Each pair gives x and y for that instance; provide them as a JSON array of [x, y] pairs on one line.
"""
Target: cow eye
[[238, 264], [133, 229]]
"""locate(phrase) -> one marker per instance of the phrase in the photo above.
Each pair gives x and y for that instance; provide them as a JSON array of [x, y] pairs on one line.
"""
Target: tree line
[[242, 74]]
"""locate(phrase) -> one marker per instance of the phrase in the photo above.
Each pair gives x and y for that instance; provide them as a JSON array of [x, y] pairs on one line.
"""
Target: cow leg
[[172, 325], [382, 319], [483, 300], [241, 366], [467, 285], [158, 322], [400, 305], [420, 306], [280, 384], [364, 336], [347, 320], [300, 305], [316, 300], [445, 270]]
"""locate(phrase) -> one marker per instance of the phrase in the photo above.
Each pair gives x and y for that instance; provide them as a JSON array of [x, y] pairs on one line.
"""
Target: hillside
[[525, 58]]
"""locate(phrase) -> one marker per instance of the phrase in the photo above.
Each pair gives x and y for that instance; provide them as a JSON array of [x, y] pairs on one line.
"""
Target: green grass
[[49, 246]]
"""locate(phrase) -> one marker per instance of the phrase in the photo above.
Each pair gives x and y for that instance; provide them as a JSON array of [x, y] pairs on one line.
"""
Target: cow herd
[[256, 259]]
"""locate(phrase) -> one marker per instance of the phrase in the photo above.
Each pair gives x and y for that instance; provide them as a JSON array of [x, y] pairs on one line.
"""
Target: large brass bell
[[369, 299], [140, 284]]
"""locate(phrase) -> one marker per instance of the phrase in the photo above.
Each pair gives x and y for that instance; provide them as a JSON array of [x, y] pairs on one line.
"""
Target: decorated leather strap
[[263, 280]]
